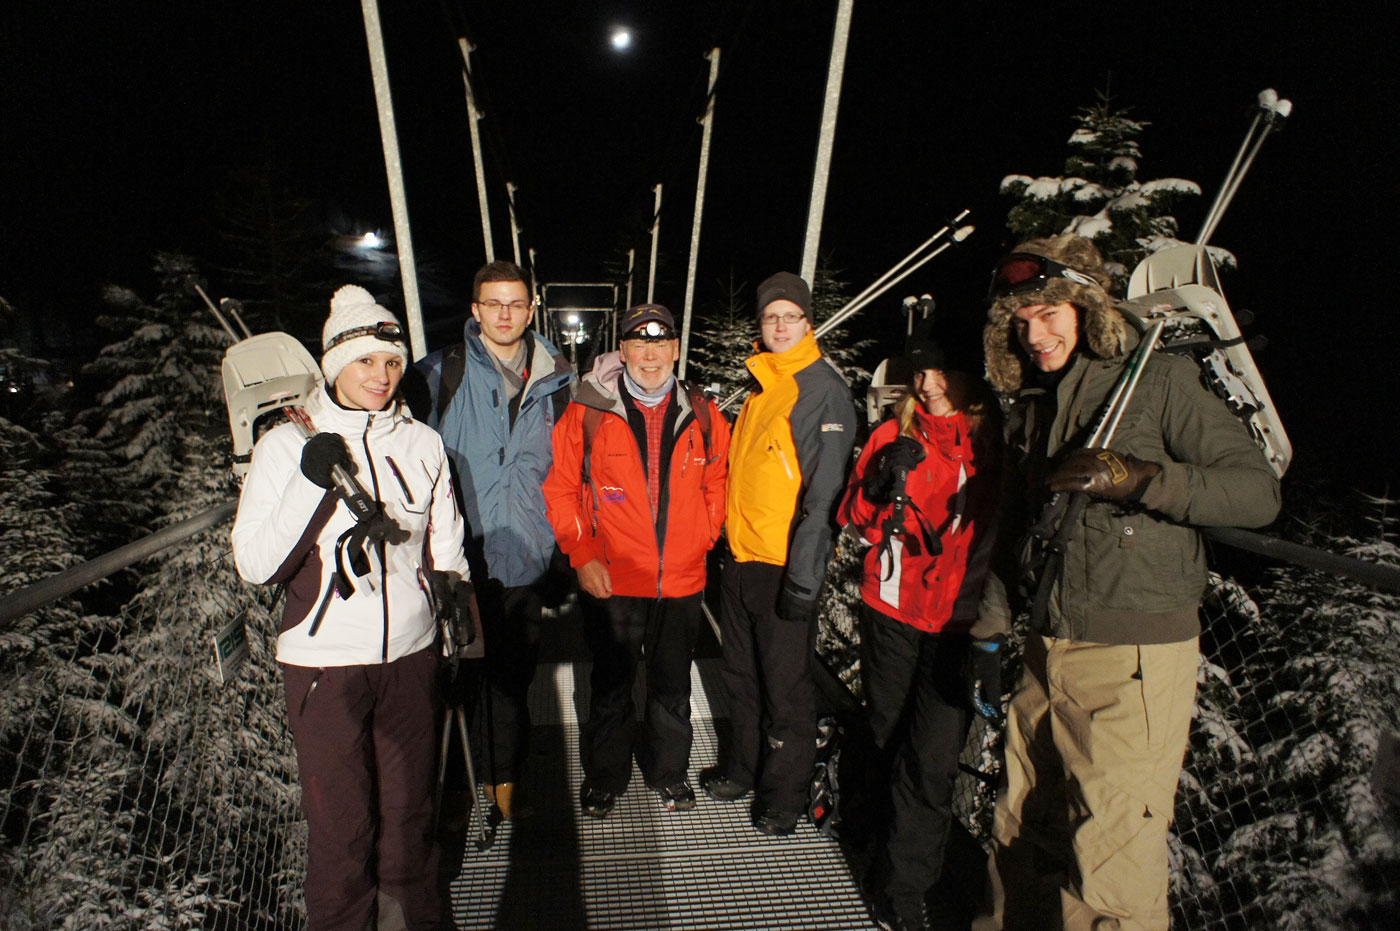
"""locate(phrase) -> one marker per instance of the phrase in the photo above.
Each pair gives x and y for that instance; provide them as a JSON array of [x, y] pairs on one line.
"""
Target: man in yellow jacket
[[788, 460]]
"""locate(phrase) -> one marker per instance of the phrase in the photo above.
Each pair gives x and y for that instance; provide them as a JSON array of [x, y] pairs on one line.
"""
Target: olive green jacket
[[1130, 575]]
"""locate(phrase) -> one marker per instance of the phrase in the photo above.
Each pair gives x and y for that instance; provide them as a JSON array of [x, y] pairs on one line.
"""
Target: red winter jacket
[[665, 559], [953, 494]]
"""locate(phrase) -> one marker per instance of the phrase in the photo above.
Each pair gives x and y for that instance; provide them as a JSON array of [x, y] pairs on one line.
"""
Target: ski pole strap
[[1054, 561]]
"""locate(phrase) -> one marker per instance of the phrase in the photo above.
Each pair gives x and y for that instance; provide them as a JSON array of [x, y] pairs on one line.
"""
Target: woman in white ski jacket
[[359, 669]]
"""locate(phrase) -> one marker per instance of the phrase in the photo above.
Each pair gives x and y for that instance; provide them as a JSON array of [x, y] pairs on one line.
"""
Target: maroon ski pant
[[365, 746]]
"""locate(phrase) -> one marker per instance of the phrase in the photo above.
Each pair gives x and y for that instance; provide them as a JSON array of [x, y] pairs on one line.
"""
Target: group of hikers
[[489, 463]]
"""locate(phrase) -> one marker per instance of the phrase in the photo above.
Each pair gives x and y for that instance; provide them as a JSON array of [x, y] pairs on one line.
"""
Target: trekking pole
[[1271, 112], [878, 287]]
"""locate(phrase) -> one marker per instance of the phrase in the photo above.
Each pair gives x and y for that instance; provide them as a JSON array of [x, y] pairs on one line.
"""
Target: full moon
[[621, 38]]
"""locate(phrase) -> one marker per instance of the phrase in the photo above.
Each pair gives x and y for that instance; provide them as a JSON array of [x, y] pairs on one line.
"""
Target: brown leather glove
[[1103, 474]]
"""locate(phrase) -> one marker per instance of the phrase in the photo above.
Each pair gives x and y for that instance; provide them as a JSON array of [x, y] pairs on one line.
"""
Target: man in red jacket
[[636, 499]]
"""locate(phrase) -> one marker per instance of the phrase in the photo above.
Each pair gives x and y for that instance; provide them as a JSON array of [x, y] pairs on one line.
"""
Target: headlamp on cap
[[388, 331], [1020, 272], [653, 331]]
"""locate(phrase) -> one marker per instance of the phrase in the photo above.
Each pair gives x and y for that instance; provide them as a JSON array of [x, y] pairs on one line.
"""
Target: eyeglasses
[[788, 318], [388, 331], [495, 306], [1020, 272]]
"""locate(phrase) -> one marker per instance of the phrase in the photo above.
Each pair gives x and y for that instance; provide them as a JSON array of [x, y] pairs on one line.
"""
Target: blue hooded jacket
[[500, 468]]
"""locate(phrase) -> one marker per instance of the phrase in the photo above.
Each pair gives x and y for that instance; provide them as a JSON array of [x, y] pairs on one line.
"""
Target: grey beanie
[[785, 286]]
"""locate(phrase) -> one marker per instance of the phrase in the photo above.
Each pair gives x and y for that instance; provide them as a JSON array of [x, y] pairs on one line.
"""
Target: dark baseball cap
[[650, 322]]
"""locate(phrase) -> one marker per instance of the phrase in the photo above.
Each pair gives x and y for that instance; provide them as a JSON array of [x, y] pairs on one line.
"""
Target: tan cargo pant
[[1094, 744]]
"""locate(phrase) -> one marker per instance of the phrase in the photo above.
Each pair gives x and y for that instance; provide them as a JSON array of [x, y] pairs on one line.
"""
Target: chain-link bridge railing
[[138, 791]]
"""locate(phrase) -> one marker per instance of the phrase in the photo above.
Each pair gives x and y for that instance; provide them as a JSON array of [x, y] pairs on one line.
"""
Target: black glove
[[1104, 474], [885, 467], [455, 599], [323, 452], [793, 607], [983, 677], [383, 527]]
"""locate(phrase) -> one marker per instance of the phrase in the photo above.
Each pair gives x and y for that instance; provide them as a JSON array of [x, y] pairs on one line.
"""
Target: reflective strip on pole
[[833, 100], [394, 169], [708, 120], [514, 225], [473, 114], [655, 238]]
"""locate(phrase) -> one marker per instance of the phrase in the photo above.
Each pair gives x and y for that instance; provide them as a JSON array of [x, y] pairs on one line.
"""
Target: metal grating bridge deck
[[642, 867]]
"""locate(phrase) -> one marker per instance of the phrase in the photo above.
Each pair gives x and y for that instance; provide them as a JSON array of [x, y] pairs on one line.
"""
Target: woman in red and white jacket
[[922, 494], [359, 670]]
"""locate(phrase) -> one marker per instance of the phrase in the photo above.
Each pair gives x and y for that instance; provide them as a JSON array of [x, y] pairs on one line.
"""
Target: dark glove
[[888, 463], [983, 677], [455, 601], [1104, 474], [323, 452], [383, 527], [796, 608]]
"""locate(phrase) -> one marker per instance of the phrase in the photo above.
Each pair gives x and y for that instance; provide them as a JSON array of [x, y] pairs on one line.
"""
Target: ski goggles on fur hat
[[388, 331], [1021, 272]]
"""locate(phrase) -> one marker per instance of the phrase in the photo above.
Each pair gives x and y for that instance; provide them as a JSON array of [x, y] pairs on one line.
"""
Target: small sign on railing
[[231, 648]]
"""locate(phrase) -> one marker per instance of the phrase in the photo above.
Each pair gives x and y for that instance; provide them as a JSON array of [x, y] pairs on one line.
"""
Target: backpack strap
[[454, 366], [700, 406], [592, 420]]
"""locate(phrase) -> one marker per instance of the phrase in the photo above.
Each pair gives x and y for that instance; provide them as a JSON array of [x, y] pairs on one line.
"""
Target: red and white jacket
[[287, 527], [664, 558], [953, 494]]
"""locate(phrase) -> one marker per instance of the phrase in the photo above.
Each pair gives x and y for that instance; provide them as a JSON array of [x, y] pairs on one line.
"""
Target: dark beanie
[[785, 286]]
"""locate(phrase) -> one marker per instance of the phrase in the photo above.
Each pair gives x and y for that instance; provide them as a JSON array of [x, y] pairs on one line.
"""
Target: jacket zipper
[[382, 547]]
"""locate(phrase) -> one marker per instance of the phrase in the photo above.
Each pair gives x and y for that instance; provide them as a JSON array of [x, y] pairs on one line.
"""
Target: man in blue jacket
[[494, 397]]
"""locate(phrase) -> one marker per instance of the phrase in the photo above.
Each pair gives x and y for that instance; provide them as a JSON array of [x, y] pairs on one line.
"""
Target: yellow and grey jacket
[[788, 460]]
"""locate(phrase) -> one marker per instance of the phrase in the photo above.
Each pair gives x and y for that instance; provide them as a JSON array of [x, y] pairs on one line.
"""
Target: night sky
[[122, 120]]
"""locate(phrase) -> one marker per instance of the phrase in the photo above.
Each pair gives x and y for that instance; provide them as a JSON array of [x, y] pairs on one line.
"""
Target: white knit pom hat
[[350, 330]]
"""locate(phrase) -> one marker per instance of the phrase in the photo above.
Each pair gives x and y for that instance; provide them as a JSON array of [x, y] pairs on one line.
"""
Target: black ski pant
[[917, 705], [767, 675], [365, 741], [510, 621], [620, 631]]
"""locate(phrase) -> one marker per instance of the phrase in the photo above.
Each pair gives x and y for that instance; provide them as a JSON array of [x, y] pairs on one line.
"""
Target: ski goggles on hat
[[1020, 272], [651, 332], [388, 331]]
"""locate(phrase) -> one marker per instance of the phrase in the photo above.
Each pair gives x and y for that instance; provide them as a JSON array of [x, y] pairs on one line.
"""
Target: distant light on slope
[[621, 38], [370, 240]]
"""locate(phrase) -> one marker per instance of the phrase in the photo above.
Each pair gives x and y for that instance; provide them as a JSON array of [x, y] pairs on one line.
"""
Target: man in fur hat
[[1097, 729]]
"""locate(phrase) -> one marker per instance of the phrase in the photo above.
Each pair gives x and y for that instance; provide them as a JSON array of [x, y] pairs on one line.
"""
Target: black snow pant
[[510, 620], [620, 631], [767, 674], [365, 741], [916, 701]]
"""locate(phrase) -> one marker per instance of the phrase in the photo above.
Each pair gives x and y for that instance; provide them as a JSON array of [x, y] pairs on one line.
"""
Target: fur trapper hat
[[1102, 330], [350, 331]]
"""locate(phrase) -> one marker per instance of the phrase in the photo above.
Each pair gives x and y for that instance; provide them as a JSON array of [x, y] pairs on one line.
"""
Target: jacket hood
[[599, 387], [1103, 331], [547, 363]]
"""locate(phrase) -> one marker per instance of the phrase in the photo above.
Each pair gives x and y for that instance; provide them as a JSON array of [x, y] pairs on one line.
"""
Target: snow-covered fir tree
[[160, 386], [1099, 195], [272, 255], [721, 339]]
